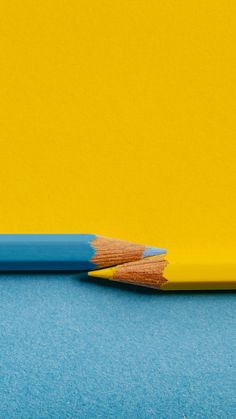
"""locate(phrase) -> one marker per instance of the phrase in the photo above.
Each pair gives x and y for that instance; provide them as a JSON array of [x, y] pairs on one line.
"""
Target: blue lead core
[[153, 251]]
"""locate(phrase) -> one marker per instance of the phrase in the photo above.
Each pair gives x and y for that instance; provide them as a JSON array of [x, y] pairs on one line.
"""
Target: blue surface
[[73, 349]]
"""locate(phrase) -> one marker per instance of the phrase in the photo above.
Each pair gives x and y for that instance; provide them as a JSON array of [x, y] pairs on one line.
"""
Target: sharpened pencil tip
[[152, 251], [106, 273]]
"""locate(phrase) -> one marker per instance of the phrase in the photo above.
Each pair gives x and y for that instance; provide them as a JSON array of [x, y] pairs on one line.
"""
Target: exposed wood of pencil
[[110, 252], [146, 272]]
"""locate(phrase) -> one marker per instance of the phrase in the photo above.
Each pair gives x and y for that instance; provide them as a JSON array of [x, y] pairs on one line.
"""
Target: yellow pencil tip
[[106, 273]]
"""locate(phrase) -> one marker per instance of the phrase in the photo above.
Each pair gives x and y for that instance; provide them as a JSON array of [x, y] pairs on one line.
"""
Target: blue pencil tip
[[153, 251]]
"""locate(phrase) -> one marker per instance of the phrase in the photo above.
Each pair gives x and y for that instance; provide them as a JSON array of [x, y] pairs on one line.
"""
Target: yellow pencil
[[156, 272]]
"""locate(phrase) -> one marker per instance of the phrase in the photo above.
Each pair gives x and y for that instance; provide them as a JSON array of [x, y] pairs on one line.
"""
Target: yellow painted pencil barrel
[[199, 277]]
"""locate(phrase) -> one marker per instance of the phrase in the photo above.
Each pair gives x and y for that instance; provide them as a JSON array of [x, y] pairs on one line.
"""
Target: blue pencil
[[62, 252]]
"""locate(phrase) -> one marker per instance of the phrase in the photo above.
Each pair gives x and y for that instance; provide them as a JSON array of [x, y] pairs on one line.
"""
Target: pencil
[[155, 272], [79, 252]]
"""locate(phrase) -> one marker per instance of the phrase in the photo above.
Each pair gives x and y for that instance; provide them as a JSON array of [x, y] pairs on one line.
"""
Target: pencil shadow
[[30, 274], [99, 282]]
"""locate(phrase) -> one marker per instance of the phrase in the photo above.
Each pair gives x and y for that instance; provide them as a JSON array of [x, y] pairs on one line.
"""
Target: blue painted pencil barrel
[[21, 252]]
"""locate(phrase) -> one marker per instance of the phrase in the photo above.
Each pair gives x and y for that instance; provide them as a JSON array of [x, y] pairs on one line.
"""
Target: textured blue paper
[[73, 349]]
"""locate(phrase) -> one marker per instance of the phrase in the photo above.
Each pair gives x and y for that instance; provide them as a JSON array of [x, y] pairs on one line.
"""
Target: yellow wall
[[119, 118]]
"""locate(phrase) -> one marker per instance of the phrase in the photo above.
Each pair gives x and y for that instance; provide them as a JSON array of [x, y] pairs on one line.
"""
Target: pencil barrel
[[43, 252]]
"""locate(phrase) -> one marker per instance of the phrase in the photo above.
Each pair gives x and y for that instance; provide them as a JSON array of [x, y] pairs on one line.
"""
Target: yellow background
[[119, 118]]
